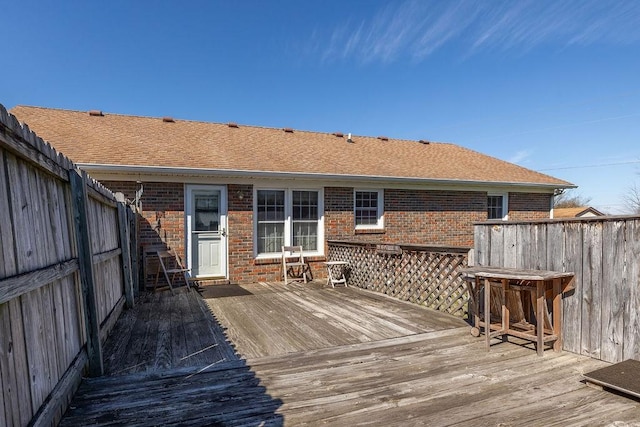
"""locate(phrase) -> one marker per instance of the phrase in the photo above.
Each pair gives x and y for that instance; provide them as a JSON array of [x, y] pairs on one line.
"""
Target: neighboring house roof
[[145, 142], [581, 211]]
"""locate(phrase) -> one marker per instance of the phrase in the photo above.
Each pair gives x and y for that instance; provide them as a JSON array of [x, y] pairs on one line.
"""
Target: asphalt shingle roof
[[575, 212], [113, 139]]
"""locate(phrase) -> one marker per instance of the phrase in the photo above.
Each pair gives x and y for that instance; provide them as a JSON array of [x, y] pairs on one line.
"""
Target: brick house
[[577, 212], [228, 196]]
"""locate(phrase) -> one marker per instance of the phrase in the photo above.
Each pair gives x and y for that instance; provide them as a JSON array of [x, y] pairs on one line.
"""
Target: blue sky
[[551, 85]]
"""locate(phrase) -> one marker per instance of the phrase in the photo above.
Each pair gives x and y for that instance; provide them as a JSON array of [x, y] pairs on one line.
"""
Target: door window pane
[[207, 212]]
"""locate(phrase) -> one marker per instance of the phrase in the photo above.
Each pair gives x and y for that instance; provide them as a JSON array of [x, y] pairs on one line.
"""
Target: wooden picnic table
[[538, 286]]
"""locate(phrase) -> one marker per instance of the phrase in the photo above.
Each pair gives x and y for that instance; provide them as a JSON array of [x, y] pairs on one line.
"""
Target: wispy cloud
[[520, 156], [416, 29]]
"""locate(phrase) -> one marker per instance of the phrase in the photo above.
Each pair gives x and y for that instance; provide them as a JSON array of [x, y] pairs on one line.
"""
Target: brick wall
[[525, 206], [433, 217], [162, 218], [240, 235], [411, 217], [425, 217]]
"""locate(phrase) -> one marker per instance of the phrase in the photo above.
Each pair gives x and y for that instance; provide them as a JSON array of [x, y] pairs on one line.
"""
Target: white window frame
[[505, 206], [288, 221], [379, 225]]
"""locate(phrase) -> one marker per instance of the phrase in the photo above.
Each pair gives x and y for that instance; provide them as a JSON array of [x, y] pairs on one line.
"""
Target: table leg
[[474, 305], [506, 314], [540, 309], [557, 314], [329, 276], [487, 312]]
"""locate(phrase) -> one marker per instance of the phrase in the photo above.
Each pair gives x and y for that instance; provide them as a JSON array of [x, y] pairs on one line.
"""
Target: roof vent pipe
[[349, 137]]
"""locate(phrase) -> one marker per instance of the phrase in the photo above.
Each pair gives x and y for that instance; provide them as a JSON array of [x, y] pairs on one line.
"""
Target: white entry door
[[207, 234]]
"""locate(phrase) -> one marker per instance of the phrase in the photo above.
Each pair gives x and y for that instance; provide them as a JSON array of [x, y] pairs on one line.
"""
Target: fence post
[[87, 280], [132, 215], [123, 226]]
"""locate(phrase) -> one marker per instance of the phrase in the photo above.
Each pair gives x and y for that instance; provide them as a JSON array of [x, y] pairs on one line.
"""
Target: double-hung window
[[368, 210], [305, 219], [271, 220], [497, 206], [288, 217]]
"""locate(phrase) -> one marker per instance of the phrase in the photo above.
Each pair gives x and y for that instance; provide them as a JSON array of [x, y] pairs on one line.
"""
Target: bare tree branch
[[570, 199], [632, 199]]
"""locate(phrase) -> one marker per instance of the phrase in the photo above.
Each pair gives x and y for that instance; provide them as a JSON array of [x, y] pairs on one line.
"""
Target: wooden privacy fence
[[602, 316], [427, 276], [65, 275]]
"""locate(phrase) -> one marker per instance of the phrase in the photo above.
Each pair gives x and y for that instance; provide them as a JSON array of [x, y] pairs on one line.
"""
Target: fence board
[[554, 247], [58, 326], [592, 290], [34, 197], [56, 219], [482, 243], [523, 246], [74, 327], [496, 250], [613, 304], [510, 244], [538, 248], [571, 303], [39, 374], [631, 338], [19, 214], [66, 220], [49, 331], [8, 265], [4, 412], [11, 403]]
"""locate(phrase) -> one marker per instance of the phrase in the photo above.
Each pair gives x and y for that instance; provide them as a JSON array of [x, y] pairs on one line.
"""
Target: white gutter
[[236, 173]]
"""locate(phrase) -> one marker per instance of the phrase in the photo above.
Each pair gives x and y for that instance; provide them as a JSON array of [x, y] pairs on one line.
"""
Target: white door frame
[[188, 200]]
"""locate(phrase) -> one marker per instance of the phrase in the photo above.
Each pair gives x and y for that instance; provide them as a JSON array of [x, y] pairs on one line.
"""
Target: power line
[[567, 125], [592, 166]]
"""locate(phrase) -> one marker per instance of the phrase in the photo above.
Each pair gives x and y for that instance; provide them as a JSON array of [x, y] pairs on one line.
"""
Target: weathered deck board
[[269, 320], [165, 331], [431, 371]]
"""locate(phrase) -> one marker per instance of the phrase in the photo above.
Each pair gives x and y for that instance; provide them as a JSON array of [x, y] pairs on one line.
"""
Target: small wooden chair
[[171, 265], [293, 264]]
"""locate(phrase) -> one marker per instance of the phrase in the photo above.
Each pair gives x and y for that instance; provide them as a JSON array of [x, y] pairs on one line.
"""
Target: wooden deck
[[315, 355]]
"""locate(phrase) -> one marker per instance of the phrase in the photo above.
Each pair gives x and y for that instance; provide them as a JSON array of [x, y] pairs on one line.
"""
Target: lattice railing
[[428, 276]]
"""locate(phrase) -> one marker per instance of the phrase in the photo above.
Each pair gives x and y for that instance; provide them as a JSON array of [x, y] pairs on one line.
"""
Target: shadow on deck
[[308, 354], [168, 361]]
